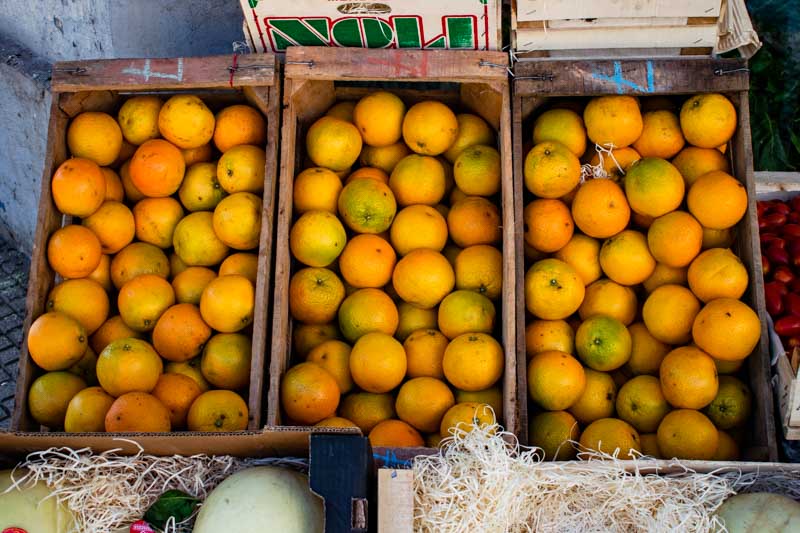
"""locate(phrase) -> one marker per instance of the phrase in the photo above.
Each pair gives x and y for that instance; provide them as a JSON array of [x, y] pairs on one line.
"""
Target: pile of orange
[[396, 235], [149, 328], [632, 289]]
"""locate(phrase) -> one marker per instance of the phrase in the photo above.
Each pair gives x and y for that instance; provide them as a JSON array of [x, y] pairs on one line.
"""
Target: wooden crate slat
[[676, 36], [565, 9]]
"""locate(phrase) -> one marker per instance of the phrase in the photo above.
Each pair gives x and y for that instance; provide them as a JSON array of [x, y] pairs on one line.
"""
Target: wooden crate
[[100, 86], [317, 77], [537, 81]]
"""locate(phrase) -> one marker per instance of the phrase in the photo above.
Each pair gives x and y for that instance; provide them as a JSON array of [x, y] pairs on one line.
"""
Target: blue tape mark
[[389, 459], [621, 83], [650, 78]]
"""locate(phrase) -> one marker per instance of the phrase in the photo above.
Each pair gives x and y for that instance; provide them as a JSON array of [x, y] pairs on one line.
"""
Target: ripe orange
[[333, 356], [102, 274], [366, 311], [218, 410], [395, 433], [309, 393], [237, 220], [642, 404], [613, 121], [180, 333], [201, 154], [665, 275], [613, 437], [597, 400], [136, 259], [583, 254], [717, 238], [96, 136], [82, 299], [626, 258], [368, 172], [366, 409], [727, 449], [456, 195], [424, 353], [157, 168], [553, 289], [317, 238], [687, 434], [477, 170], [693, 162], [430, 128], [661, 135], [493, 397], [551, 170], [717, 200], [50, 395], [226, 361], [708, 120], [479, 268], [600, 209], [423, 278], [413, 318], [472, 130], [138, 118], [86, 411], [114, 225], [654, 187], [241, 169], [474, 220], [156, 219], [128, 365], [606, 297], [333, 143], [717, 273], [243, 264], [307, 336], [200, 190], [649, 442], [137, 412], [316, 189], [131, 192], [731, 407], [227, 303], [367, 206], [465, 311], [384, 158], [548, 335], [418, 226], [112, 329], [688, 378], [189, 284], [73, 251], [422, 402], [185, 121], [726, 329], [379, 118], [466, 416], [335, 422], [342, 110], [142, 300], [418, 179], [647, 352], [551, 431], [85, 367], [563, 126], [473, 361], [603, 343], [189, 369], [548, 224], [177, 392], [556, 380], [315, 295], [114, 189], [675, 239], [56, 341], [377, 362], [617, 163], [669, 312], [239, 124], [79, 187]]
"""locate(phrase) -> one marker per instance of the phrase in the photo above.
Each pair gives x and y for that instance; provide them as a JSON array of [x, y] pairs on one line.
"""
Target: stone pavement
[[14, 267]]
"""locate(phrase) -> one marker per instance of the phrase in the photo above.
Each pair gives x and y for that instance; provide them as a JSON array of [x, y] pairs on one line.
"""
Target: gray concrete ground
[[13, 286]]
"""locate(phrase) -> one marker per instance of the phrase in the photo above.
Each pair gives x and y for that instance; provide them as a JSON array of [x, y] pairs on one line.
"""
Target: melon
[[30, 508], [760, 512]]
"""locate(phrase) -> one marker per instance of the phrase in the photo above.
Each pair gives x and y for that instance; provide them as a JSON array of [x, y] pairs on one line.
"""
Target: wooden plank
[[395, 501], [564, 9], [157, 73], [667, 36]]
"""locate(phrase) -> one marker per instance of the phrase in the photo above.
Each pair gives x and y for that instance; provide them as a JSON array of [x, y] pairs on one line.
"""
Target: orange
[[430, 128], [474, 220], [50, 395], [732, 404], [418, 226], [626, 258], [333, 143], [180, 333], [551, 431], [86, 411], [218, 410], [687, 434], [493, 397], [556, 380], [456, 195], [649, 442], [56, 341], [366, 409], [112, 329], [727, 449], [74, 251], [669, 312], [664, 275], [82, 299], [606, 297], [85, 367], [136, 259], [379, 118], [128, 365], [472, 130], [309, 394], [675, 239], [413, 318], [237, 220], [717, 238], [617, 163], [79, 187], [553, 289], [138, 118], [131, 192], [137, 412], [395, 433], [548, 225], [384, 158], [600, 209], [196, 242], [239, 124], [473, 361], [479, 268], [377, 362], [641, 403], [227, 303], [114, 189], [335, 422], [226, 361], [368, 172], [177, 392], [317, 238], [727, 329], [613, 121], [423, 278], [244, 264], [708, 120], [548, 335], [693, 162], [367, 206], [201, 154], [613, 437], [114, 225], [465, 311], [424, 353], [597, 400], [466, 416], [583, 254], [551, 170], [333, 356], [717, 200], [563, 126], [102, 274], [189, 369], [342, 110], [189, 284], [661, 135], [316, 189], [654, 187], [367, 261], [688, 378], [647, 352], [200, 190], [418, 179], [241, 169], [142, 300], [315, 295], [185, 121], [365, 311], [156, 219], [477, 171], [157, 168], [96, 136], [307, 336], [423, 401], [717, 273], [603, 343]]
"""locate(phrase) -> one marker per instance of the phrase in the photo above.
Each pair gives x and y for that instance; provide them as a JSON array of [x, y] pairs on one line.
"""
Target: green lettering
[[298, 32], [460, 32], [377, 33], [346, 32], [408, 32]]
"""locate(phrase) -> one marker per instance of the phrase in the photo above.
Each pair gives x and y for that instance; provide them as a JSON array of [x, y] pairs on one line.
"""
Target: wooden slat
[[674, 36], [395, 501], [565, 9], [394, 65], [173, 73]]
